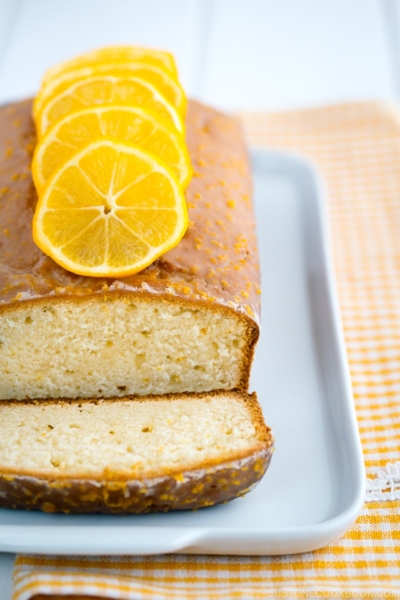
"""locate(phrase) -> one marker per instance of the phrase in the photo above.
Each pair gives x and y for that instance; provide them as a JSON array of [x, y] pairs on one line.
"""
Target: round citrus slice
[[110, 211], [158, 58], [126, 123], [158, 77], [102, 91]]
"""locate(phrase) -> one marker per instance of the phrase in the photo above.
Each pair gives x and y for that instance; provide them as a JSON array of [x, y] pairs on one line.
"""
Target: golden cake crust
[[189, 490], [216, 262]]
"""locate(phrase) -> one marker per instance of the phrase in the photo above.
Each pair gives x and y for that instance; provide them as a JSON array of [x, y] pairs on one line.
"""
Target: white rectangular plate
[[314, 488]]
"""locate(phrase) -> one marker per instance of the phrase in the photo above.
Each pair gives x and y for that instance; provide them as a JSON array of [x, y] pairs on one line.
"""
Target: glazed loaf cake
[[149, 454], [187, 323]]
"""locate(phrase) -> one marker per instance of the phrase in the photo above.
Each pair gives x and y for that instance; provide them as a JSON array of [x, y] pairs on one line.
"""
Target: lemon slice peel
[[112, 86], [161, 58], [55, 146], [107, 220], [169, 87]]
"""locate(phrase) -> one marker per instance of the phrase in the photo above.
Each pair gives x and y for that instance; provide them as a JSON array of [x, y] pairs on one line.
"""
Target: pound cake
[[146, 454], [187, 323]]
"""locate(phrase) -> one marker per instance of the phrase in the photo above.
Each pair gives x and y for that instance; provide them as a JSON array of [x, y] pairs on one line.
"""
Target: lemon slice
[[158, 58], [160, 78], [110, 211], [126, 123], [103, 91]]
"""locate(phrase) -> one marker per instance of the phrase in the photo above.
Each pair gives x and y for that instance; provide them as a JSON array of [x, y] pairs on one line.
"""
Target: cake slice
[[187, 323], [131, 455]]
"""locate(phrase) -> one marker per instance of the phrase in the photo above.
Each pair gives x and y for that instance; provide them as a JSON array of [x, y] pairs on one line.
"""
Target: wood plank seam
[[205, 10], [390, 10], [10, 12]]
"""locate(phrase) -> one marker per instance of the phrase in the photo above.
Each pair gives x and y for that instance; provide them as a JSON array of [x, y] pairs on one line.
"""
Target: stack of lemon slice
[[111, 163]]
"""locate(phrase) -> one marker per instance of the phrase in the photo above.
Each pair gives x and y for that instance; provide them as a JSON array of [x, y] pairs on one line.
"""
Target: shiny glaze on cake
[[216, 262]]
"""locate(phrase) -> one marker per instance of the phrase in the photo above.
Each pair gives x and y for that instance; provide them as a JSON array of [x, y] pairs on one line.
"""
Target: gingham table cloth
[[357, 150]]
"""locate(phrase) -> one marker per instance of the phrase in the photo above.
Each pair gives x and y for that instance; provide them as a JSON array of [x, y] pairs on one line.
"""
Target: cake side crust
[[188, 490]]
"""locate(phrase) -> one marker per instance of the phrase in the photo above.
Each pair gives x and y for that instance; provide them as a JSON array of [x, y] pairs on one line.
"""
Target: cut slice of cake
[[187, 323], [131, 455]]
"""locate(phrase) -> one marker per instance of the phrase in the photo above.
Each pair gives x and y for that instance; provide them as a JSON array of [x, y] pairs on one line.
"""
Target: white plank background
[[234, 54]]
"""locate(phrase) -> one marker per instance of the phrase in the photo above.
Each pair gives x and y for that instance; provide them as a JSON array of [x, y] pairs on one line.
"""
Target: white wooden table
[[234, 54]]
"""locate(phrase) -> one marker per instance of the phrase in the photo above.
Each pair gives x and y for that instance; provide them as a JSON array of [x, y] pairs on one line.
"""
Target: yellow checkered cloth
[[357, 149]]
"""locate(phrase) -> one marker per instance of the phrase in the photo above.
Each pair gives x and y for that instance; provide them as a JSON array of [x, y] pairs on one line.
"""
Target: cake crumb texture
[[141, 437], [132, 454], [118, 346]]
